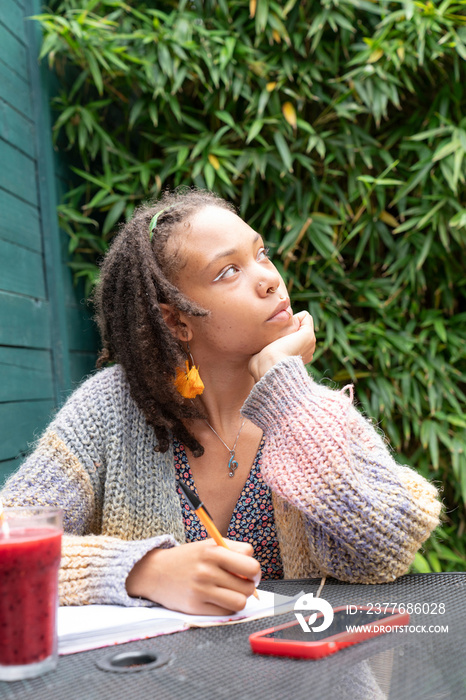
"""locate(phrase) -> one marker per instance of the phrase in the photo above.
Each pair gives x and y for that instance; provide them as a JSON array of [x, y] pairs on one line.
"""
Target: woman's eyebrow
[[227, 253]]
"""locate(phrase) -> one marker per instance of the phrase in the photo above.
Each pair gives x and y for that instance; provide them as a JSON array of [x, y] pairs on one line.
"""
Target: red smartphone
[[291, 639]]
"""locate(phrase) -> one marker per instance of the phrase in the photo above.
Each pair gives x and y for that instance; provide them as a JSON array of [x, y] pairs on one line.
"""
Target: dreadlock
[[134, 280]]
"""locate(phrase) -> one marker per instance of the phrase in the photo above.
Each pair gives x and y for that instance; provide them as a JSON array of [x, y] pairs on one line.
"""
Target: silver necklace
[[232, 463]]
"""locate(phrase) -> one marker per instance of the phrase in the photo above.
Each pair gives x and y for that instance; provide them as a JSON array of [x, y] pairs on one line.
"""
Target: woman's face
[[227, 271]]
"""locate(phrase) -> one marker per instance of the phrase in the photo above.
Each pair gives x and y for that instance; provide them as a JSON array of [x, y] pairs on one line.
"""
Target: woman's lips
[[282, 315]]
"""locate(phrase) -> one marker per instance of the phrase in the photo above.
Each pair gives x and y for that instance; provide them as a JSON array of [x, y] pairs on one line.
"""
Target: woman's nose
[[269, 283]]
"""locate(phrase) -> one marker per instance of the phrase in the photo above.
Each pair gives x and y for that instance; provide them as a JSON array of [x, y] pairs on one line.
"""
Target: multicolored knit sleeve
[[66, 471], [365, 515]]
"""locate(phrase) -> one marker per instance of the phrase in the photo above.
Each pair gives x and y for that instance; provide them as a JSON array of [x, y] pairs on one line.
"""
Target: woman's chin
[[290, 327], [287, 329]]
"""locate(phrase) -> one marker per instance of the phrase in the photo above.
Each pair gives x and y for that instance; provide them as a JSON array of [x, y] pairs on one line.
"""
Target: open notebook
[[92, 626]]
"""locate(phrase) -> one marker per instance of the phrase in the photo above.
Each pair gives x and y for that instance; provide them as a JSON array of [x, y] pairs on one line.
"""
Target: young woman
[[296, 479]]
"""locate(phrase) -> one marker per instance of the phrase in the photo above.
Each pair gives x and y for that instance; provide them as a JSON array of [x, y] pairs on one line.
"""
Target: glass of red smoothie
[[30, 550]]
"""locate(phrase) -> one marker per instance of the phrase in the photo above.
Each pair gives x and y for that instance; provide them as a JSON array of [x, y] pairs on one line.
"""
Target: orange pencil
[[197, 506]]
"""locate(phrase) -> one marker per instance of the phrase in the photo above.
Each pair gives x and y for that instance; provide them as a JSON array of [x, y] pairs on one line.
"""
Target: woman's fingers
[[300, 341], [227, 577], [197, 578], [308, 338], [240, 555]]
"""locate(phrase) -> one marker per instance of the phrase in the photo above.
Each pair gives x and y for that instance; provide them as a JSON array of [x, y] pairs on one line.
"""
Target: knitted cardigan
[[343, 507]]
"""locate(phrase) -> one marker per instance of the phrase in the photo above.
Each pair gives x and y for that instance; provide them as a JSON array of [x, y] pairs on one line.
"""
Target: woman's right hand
[[199, 578], [301, 341]]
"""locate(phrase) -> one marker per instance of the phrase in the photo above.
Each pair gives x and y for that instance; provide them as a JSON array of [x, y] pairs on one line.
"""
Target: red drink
[[29, 562]]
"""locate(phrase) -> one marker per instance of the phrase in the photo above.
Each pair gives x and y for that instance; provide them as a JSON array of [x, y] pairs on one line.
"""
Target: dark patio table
[[217, 663]]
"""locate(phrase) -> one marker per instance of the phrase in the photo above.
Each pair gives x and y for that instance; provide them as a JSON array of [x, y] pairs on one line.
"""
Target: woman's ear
[[176, 322]]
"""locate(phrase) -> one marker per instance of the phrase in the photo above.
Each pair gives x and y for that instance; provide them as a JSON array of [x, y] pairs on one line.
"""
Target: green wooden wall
[[47, 338]]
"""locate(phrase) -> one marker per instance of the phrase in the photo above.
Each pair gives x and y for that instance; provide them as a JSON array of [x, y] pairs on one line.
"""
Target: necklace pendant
[[232, 464]]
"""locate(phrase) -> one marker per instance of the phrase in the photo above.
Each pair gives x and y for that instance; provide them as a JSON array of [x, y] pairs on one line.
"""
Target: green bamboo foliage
[[338, 128]]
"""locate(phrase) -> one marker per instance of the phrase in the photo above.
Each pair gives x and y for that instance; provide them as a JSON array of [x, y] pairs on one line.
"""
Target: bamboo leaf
[[284, 151], [289, 113], [430, 214], [213, 160], [412, 183], [254, 130], [440, 330], [209, 174], [421, 565], [375, 56], [261, 15], [226, 117], [446, 149], [448, 555], [113, 216], [95, 71], [388, 219]]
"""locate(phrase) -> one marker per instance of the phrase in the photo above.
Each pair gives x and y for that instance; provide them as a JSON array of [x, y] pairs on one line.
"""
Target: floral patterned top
[[252, 520]]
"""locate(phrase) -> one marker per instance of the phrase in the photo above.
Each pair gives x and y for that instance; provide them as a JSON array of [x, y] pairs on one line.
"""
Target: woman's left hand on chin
[[301, 342]]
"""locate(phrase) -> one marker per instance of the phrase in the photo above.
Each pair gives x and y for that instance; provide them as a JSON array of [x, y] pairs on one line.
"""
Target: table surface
[[216, 663]]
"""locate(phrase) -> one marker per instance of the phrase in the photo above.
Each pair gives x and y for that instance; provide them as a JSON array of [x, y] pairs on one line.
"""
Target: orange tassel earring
[[188, 381]]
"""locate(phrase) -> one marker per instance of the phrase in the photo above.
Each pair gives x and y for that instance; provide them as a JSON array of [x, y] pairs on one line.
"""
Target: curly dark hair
[[135, 277]]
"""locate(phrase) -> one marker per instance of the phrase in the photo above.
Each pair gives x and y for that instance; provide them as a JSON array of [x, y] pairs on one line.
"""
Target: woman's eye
[[264, 253], [227, 272]]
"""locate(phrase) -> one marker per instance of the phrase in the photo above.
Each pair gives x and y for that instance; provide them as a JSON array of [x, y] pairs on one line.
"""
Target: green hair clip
[[153, 223]]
